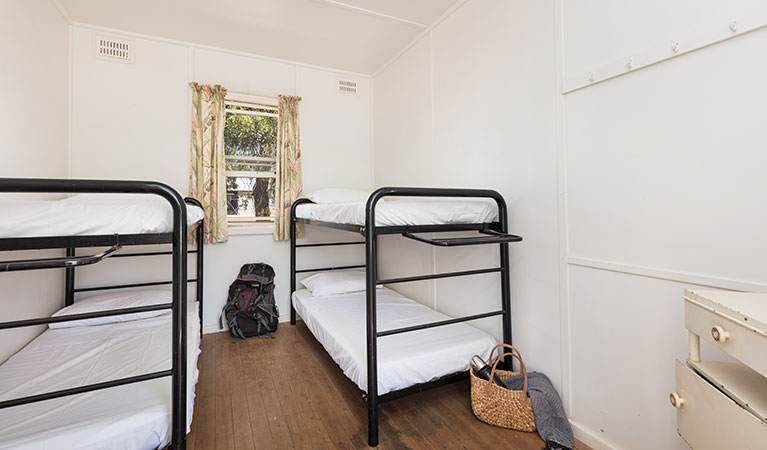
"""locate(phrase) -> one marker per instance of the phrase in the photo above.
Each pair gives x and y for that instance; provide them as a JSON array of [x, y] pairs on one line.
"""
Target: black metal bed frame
[[488, 233], [177, 238]]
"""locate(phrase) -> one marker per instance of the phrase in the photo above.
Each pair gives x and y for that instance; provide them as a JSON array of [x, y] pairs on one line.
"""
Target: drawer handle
[[676, 401], [719, 334]]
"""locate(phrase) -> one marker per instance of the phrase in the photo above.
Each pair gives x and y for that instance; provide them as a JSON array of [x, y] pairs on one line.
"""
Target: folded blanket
[[550, 417]]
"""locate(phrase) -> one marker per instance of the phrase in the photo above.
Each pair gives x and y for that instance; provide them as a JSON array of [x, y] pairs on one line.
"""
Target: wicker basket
[[499, 406]]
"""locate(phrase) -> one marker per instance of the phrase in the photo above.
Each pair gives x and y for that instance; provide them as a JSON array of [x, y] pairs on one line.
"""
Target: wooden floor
[[288, 393]]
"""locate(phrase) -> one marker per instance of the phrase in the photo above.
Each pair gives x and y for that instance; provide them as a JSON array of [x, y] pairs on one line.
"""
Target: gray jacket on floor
[[550, 417]]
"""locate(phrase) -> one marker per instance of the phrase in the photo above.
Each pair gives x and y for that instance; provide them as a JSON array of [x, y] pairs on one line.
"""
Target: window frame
[[251, 101]]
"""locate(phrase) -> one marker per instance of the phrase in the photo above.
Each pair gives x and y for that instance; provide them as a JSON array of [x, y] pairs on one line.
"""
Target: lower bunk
[[132, 416], [404, 360]]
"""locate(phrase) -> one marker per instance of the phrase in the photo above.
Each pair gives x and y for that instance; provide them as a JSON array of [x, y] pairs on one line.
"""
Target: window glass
[[250, 141]]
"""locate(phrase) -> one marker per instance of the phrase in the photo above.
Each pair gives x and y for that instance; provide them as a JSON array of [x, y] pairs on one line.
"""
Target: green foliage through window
[[250, 141]]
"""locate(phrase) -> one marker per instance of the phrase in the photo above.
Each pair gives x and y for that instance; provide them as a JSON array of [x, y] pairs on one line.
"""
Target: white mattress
[[404, 212], [135, 416], [338, 323], [90, 214]]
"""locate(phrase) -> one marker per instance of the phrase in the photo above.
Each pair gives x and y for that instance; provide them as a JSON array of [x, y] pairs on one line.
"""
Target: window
[[250, 148]]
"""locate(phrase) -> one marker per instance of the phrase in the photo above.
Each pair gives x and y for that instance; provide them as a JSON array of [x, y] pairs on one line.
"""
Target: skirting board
[[590, 438], [208, 329]]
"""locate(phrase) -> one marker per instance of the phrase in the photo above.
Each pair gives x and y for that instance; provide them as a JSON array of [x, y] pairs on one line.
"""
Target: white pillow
[[338, 195], [118, 300], [336, 282]]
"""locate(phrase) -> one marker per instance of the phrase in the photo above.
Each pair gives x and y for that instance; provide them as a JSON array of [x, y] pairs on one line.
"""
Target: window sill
[[249, 229]]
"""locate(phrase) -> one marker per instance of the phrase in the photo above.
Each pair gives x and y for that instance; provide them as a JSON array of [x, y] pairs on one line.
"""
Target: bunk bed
[[426, 210], [115, 411]]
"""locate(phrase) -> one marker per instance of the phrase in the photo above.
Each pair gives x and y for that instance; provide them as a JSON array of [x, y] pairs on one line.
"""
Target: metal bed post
[[371, 276], [293, 256], [200, 269], [69, 281], [199, 238], [292, 263], [178, 426], [505, 280]]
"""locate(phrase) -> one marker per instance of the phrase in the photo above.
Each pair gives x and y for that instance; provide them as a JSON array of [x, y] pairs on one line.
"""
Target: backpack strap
[[235, 328], [262, 323], [229, 303], [254, 305]]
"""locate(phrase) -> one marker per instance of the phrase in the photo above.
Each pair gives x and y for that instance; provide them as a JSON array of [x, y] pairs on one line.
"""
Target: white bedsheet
[[338, 323], [135, 416], [404, 212], [90, 214]]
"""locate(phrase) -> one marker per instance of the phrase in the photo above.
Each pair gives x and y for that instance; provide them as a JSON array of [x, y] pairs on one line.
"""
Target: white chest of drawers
[[723, 405]]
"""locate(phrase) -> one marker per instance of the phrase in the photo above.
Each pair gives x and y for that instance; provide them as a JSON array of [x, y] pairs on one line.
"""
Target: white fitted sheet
[[135, 416], [90, 214], [404, 212], [338, 322]]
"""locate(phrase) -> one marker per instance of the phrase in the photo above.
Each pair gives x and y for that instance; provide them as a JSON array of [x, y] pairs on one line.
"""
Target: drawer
[[738, 339], [709, 420]]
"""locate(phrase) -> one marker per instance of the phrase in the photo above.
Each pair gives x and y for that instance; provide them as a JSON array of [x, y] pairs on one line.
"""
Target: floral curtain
[[288, 187], [207, 177]]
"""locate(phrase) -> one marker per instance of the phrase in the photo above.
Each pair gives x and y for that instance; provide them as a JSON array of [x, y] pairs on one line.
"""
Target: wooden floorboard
[[224, 438], [287, 393], [203, 432], [259, 421], [275, 411], [241, 417]]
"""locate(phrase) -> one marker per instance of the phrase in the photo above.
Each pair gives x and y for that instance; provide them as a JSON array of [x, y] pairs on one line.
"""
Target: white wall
[[665, 188], [403, 157], [34, 40], [131, 120], [472, 105]]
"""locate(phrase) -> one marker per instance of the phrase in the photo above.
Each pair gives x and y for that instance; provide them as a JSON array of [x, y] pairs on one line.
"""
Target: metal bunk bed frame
[[489, 233], [177, 238]]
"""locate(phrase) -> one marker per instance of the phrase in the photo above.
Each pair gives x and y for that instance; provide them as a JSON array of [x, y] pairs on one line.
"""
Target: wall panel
[[132, 121], [34, 140]]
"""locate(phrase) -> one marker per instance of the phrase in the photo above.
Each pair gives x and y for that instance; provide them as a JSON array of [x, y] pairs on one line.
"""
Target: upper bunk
[[415, 210], [119, 214]]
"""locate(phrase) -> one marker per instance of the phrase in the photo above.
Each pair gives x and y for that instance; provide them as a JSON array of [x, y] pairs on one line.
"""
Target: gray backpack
[[250, 310]]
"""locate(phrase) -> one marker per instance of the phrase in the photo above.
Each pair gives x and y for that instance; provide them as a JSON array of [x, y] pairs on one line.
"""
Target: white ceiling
[[354, 35]]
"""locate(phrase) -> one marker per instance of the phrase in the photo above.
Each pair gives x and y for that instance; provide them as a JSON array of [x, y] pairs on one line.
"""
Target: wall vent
[[348, 87], [113, 49]]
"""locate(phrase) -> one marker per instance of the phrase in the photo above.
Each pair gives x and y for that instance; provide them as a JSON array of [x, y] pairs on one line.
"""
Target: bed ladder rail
[[83, 389], [440, 323], [54, 263], [491, 237]]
